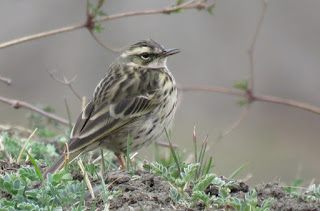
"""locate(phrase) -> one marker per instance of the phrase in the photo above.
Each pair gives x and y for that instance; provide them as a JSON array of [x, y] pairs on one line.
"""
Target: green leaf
[[67, 177], [17, 184], [251, 197], [204, 183], [218, 182], [210, 9], [98, 28], [266, 203], [174, 194], [242, 102], [224, 193], [189, 172], [61, 176], [200, 195], [242, 85], [28, 173]]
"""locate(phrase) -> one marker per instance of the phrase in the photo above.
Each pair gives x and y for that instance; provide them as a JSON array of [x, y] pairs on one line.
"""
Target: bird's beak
[[169, 52]]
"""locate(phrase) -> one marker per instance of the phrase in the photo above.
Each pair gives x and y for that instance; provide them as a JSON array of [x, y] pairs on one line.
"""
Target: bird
[[137, 98]]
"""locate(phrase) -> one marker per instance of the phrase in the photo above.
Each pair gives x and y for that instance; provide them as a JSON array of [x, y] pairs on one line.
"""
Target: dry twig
[[25, 145], [87, 180], [65, 81]]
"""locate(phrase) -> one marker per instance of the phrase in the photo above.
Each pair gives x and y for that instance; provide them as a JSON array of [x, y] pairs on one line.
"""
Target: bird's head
[[147, 53]]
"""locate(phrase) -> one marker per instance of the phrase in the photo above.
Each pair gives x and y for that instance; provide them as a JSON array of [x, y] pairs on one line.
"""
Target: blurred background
[[277, 142]]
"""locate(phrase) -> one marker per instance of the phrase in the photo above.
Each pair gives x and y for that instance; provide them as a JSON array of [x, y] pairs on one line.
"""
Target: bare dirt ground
[[151, 192]]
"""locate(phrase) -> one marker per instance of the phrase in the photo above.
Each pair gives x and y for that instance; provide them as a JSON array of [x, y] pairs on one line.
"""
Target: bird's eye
[[145, 55]]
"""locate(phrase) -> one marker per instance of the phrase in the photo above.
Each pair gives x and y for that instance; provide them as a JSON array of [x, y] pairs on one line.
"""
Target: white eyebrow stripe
[[138, 51]]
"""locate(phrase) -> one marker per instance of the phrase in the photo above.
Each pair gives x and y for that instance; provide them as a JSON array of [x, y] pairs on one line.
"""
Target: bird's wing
[[98, 120]]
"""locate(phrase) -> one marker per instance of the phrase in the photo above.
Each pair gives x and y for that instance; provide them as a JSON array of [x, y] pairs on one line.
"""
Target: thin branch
[[255, 97], [18, 104], [116, 50], [67, 82], [8, 81], [253, 44], [91, 24], [213, 89], [282, 101], [40, 35], [185, 6]]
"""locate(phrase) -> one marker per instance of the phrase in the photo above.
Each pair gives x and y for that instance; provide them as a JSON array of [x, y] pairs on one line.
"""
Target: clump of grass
[[189, 181], [56, 192]]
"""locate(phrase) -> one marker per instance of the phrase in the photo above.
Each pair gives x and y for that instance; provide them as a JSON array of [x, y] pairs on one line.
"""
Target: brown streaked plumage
[[137, 97]]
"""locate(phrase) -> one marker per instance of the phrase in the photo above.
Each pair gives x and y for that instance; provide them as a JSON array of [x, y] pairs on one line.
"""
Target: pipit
[[137, 98]]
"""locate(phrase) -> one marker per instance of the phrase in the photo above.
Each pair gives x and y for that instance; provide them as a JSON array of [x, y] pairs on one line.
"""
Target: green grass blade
[[202, 154], [208, 166], [82, 194], [36, 167], [173, 153], [195, 145], [236, 172]]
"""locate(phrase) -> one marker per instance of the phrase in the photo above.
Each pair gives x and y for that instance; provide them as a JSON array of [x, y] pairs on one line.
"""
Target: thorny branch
[[195, 5]]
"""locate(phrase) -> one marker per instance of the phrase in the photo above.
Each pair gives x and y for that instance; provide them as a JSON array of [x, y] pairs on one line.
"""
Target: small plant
[[189, 182], [250, 203], [312, 194], [40, 151]]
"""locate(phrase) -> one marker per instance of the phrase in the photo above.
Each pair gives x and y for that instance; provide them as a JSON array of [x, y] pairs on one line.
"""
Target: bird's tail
[[59, 164]]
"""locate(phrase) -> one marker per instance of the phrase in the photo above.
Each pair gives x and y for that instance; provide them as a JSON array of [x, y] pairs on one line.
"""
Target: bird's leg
[[120, 160]]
